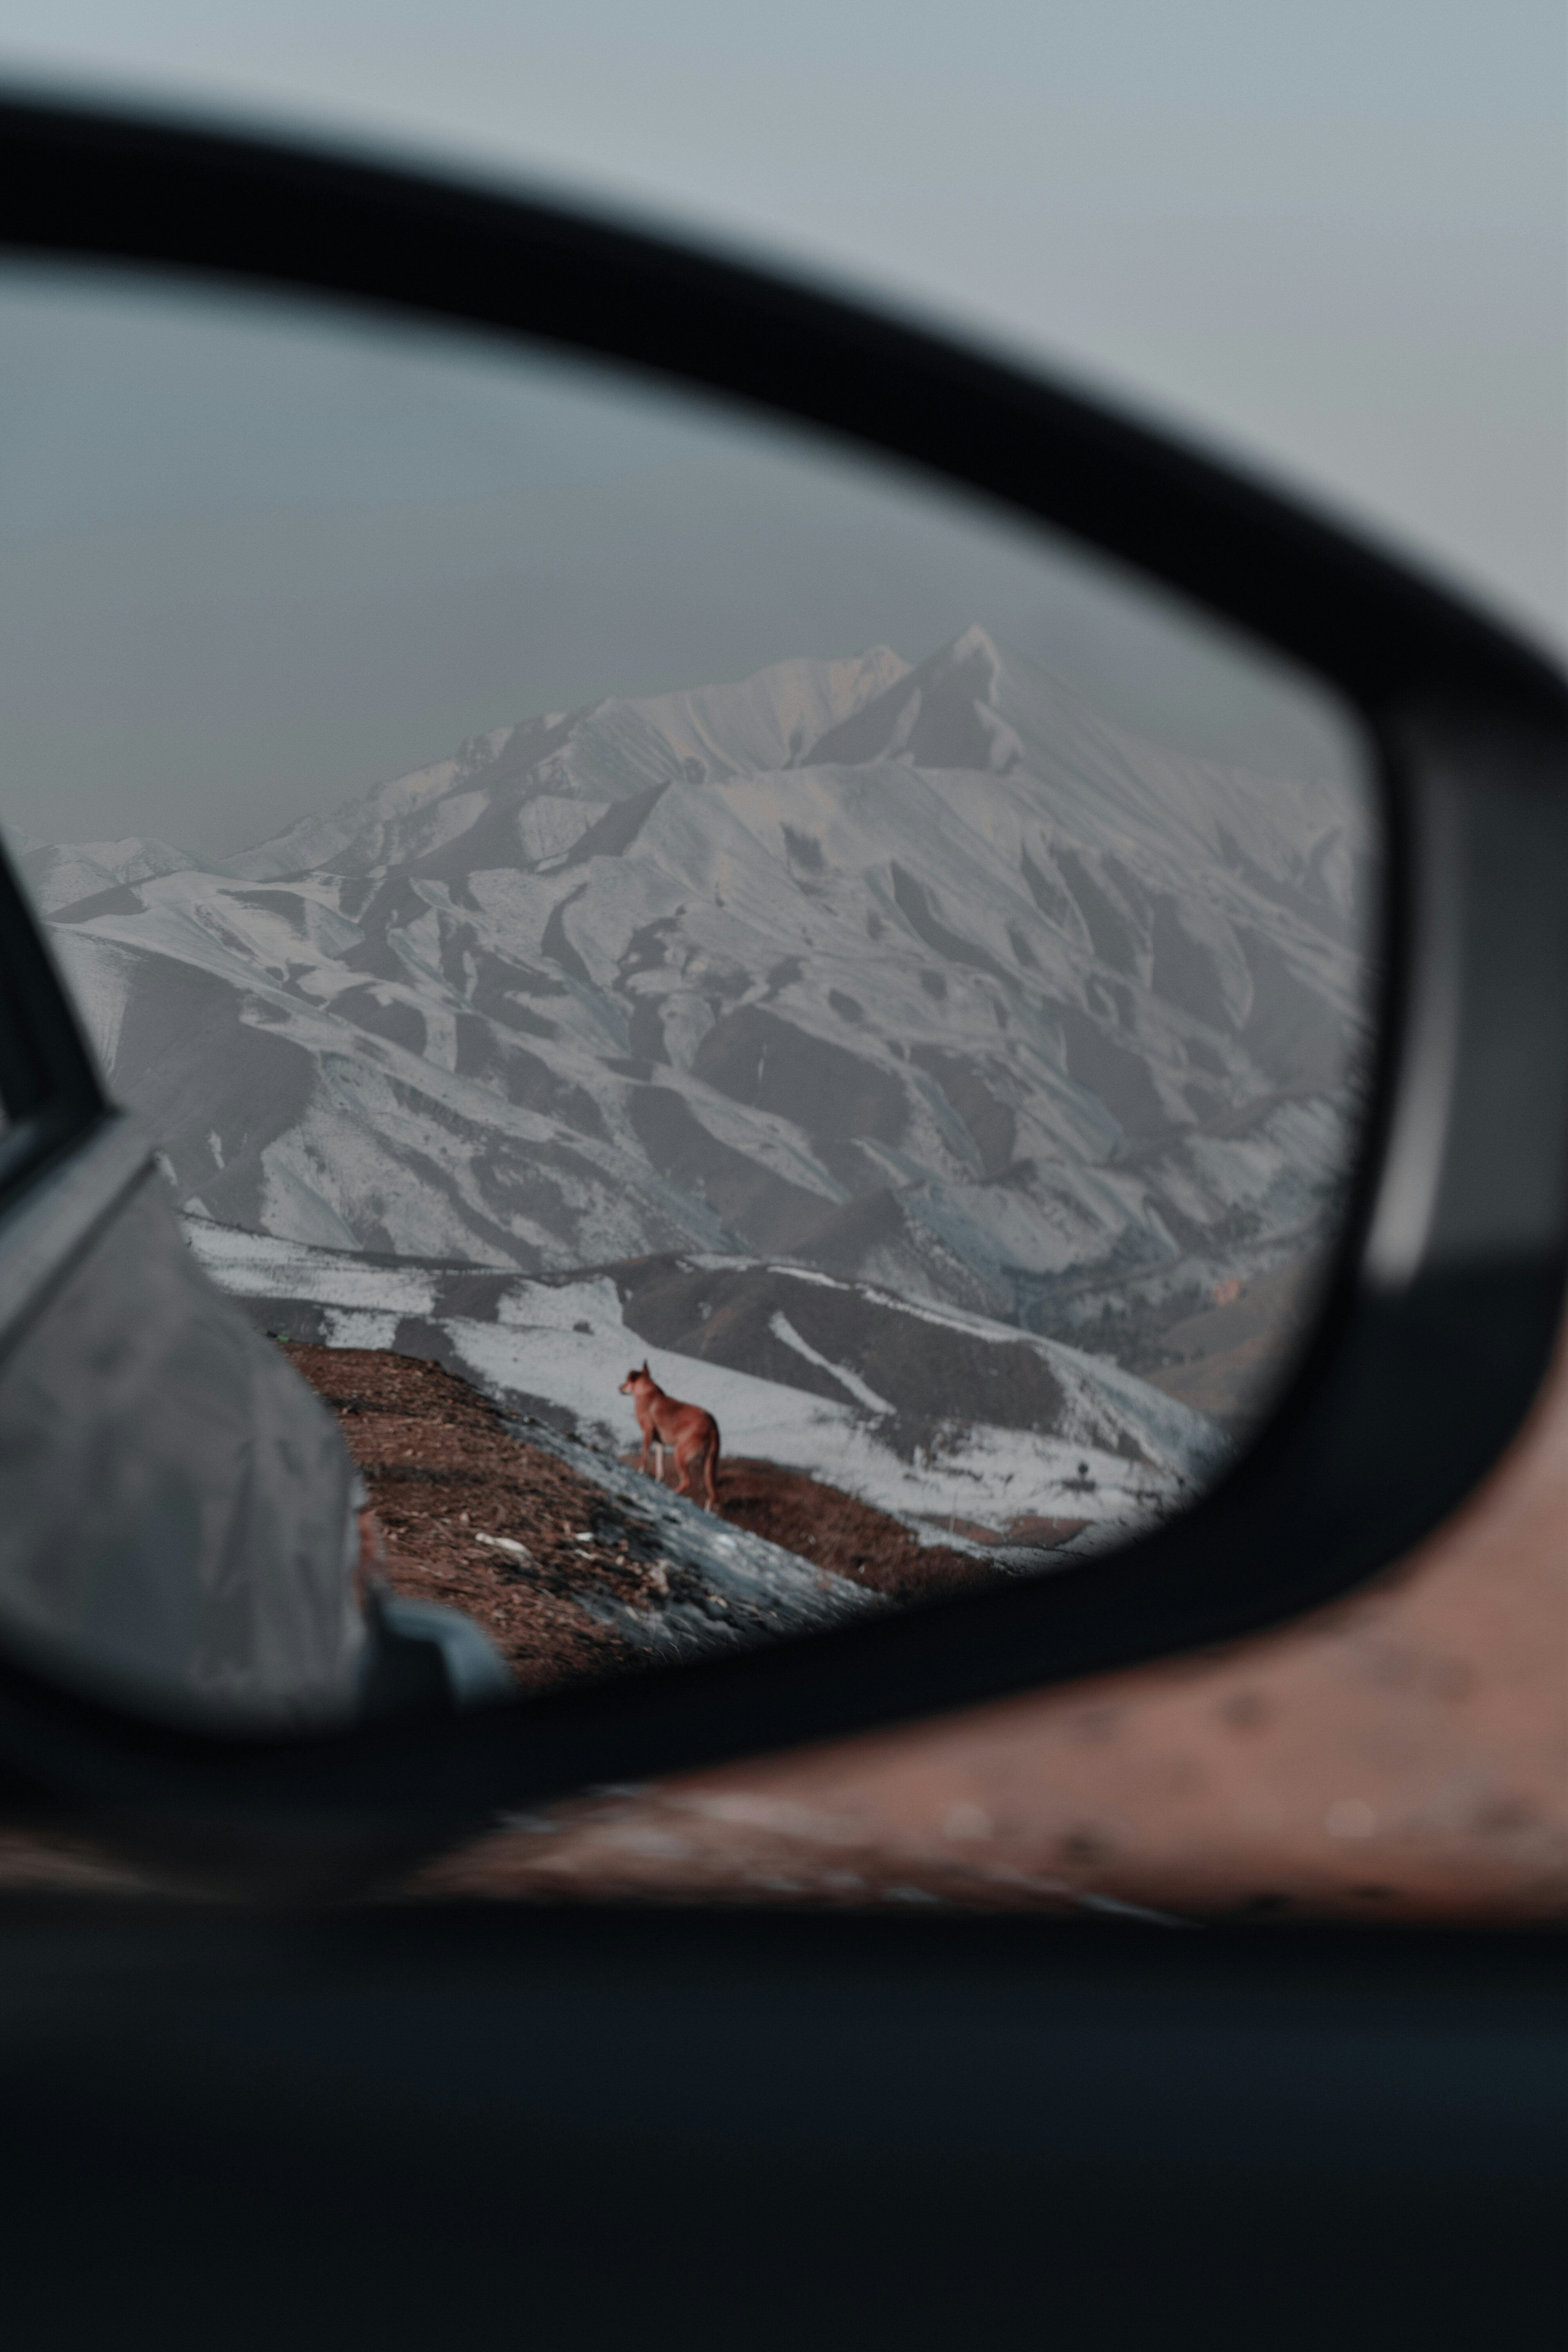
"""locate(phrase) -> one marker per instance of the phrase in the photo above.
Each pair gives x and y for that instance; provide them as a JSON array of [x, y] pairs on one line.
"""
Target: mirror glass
[[656, 948]]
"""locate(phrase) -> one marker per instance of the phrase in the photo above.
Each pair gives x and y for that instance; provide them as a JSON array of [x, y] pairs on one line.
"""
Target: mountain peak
[[973, 647], [939, 714]]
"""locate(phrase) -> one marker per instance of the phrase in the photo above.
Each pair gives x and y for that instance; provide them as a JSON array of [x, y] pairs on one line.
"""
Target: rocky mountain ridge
[[928, 977]]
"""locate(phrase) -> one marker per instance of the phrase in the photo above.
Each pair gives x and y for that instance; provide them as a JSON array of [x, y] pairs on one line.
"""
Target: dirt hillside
[[448, 1479]]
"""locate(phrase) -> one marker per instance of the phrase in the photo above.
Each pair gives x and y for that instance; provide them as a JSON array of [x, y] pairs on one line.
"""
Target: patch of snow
[[783, 1329]]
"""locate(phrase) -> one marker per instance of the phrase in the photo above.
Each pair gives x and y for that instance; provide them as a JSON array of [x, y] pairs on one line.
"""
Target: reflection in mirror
[[773, 1041]]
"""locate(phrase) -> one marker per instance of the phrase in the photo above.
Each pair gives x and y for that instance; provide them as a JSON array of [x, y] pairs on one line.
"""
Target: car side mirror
[[575, 804]]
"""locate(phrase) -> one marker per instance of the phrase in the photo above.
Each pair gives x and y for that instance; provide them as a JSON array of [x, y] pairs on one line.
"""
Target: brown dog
[[691, 1434]]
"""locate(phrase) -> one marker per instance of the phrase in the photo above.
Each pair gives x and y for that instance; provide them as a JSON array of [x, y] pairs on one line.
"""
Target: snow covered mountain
[[926, 974], [932, 979]]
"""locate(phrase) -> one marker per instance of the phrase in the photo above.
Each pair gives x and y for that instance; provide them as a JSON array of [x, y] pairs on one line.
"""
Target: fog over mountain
[[930, 978]]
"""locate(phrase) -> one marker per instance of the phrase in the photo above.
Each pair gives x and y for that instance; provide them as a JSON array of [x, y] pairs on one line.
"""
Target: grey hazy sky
[[255, 556], [1334, 237]]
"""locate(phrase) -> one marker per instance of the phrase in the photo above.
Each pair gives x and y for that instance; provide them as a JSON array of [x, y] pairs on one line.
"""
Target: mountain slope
[[931, 977]]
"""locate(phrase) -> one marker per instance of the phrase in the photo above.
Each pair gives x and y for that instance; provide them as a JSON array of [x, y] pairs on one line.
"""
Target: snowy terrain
[[929, 980], [1046, 1432]]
